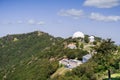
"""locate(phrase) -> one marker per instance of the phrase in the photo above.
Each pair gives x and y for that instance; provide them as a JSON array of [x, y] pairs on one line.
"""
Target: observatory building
[[91, 38], [78, 35], [86, 58]]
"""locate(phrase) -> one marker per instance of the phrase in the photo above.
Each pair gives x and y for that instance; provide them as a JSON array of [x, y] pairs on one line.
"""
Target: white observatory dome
[[91, 38], [78, 35]]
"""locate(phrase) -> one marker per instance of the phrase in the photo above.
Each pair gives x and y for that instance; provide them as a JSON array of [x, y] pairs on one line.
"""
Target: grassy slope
[[115, 76], [60, 71]]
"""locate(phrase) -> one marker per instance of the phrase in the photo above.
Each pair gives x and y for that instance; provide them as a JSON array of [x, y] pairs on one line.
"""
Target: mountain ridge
[[36, 55]]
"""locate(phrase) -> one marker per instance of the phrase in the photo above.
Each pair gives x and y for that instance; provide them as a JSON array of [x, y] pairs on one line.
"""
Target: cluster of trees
[[35, 57], [75, 53], [106, 59], [28, 57]]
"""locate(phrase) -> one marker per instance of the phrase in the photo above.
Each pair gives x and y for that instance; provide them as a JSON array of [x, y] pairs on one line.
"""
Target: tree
[[106, 47], [86, 39], [105, 53]]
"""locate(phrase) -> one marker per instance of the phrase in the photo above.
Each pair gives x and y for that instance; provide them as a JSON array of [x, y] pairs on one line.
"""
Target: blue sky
[[61, 17]]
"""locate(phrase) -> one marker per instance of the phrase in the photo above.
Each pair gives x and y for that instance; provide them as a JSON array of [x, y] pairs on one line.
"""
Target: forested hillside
[[36, 55], [26, 56]]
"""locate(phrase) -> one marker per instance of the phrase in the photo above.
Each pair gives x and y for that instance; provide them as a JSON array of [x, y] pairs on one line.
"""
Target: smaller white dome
[[78, 35], [91, 38]]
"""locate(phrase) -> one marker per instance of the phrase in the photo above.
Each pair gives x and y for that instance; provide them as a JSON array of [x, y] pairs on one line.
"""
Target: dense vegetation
[[107, 58], [26, 57], [36, 55]]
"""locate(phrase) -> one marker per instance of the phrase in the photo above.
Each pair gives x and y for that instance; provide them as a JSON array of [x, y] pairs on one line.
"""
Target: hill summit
[[36, 56]]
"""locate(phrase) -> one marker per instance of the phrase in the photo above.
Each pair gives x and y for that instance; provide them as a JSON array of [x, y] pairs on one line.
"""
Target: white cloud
[[41, 23], [100, 17], [102, 3], [31, 21], [71, 12]]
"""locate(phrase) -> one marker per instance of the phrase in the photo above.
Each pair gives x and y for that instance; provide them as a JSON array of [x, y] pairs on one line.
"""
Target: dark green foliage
[[82, 46], [85, 71], [98, 39], [75, 53], [99, 63], [86, 39], [35, 56], [105, 54], [28, 58], [95, 42]]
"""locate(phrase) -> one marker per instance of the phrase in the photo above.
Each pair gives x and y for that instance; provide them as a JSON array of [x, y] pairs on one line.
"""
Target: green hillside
[[36, 55], [27, 57]]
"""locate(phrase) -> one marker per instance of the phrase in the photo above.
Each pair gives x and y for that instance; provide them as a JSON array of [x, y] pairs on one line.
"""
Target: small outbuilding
[[86, 58]]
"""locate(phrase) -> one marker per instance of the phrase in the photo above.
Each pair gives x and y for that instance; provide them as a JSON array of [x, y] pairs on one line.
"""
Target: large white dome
[[78, 35]]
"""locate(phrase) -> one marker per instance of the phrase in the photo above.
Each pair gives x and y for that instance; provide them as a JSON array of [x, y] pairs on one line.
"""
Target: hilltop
[[36, 56]]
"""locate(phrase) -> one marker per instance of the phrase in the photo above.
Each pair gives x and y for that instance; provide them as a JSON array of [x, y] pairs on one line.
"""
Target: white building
[[86, 58], [91, 38], [78, 35], [72, 63], [64, 62]]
